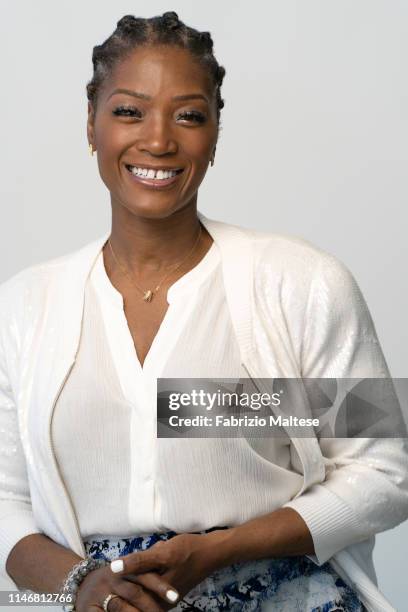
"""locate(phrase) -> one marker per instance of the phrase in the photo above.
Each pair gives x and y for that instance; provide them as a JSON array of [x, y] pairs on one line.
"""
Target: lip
[[154, 183]]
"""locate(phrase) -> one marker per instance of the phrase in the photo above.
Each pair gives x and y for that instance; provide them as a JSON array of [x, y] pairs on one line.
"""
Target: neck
[[145, 245]]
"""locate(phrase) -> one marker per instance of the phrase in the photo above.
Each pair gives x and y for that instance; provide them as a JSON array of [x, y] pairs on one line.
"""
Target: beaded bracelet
[[72, 582]]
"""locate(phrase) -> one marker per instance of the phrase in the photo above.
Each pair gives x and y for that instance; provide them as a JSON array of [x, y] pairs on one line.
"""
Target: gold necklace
[[149, 293]]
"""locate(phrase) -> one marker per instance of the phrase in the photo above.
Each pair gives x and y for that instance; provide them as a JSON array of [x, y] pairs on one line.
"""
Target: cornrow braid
[[167, 29]]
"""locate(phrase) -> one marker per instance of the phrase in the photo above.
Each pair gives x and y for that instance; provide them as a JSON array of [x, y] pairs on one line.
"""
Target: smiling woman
[[280, 524], [154, 108], [148, 122]]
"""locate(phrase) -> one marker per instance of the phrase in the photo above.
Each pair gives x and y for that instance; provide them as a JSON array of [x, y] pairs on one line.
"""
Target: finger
[[140, 562], [158, 585], [115, 605], [139, 597]]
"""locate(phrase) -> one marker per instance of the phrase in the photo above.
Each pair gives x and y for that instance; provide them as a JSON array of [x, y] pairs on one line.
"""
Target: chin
[[153, 209]]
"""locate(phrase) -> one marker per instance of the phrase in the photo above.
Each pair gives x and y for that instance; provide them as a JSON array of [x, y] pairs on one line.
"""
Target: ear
[[90, 124]]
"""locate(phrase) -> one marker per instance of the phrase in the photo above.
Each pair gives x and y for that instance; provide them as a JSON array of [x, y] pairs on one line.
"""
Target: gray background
[[314, 143]]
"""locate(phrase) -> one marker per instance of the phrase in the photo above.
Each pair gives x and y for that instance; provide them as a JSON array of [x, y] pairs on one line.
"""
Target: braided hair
[[167, 29]]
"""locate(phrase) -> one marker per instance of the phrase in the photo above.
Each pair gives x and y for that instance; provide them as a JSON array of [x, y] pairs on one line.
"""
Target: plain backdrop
[[314, 143]]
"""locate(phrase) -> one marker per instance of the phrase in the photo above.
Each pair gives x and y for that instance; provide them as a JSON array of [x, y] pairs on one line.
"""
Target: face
[[155, 130]]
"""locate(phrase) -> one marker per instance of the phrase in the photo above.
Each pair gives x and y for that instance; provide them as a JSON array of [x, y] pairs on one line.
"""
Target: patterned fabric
[[291, 584]]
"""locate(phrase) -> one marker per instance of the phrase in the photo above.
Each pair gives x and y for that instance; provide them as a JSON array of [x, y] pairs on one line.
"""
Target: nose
[[156, 137]]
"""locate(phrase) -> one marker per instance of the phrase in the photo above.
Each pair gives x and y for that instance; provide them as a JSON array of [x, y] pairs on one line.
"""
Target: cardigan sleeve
[[16, 516], [366, 486]]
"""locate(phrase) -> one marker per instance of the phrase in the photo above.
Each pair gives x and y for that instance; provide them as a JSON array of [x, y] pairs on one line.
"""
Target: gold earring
[[91, 151]]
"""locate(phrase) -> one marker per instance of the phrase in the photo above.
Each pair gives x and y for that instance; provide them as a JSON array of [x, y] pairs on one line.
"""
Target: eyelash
[[131, 111], [193, 115]]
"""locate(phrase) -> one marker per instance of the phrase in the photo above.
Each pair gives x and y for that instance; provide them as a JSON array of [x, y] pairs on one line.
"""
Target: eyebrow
[[142, 96]]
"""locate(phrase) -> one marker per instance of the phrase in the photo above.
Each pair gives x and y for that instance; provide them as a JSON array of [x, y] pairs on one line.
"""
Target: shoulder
[[33, 281], [289, 257], [294, 276], [285, 260], [310, 293]]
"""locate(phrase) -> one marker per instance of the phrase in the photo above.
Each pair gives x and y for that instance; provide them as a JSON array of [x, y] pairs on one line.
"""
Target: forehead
[[155, 70]]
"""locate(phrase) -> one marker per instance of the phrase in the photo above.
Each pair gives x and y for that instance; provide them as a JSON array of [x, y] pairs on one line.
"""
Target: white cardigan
[[316, 324]]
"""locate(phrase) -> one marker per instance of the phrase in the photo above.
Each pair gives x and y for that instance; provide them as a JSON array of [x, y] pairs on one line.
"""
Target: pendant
[[148, 295]]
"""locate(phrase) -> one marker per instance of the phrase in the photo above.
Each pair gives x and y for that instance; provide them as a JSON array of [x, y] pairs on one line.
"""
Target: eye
[[127, 111], [192, 116]]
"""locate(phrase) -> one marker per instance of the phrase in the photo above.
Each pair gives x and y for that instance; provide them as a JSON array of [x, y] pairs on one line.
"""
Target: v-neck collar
[[171, 327]]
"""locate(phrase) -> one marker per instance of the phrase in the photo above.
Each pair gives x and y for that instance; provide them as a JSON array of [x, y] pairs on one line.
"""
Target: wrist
[[74, 579], [281, 533], [222, 548]]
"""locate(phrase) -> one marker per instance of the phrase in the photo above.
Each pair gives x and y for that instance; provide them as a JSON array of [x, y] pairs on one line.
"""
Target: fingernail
[[117, 566], [172, 596]]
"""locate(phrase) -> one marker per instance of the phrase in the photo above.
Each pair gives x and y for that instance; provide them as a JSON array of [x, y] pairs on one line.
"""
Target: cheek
[[199, 150], [110, 139], [111, 142]]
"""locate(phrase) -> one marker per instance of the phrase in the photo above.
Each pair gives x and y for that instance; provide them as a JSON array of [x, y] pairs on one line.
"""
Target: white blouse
[[124, 481]]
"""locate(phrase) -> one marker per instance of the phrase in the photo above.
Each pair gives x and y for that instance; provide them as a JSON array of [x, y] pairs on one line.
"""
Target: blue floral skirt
[[290, 584]]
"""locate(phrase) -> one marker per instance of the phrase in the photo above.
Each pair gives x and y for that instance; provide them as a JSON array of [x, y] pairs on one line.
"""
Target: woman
[[213, 524]]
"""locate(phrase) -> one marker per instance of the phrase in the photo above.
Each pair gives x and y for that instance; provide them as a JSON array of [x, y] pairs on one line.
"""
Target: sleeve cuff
[[14, 527], [331, 522]]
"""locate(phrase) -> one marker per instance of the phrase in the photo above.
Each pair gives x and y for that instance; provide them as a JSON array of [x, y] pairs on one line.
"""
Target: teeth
[[153, 174]]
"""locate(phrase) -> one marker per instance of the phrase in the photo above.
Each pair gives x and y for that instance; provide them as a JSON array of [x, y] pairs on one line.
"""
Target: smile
[[154, 177]]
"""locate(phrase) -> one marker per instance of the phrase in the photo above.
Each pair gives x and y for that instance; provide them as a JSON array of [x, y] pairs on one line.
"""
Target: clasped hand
[[146, 580]]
